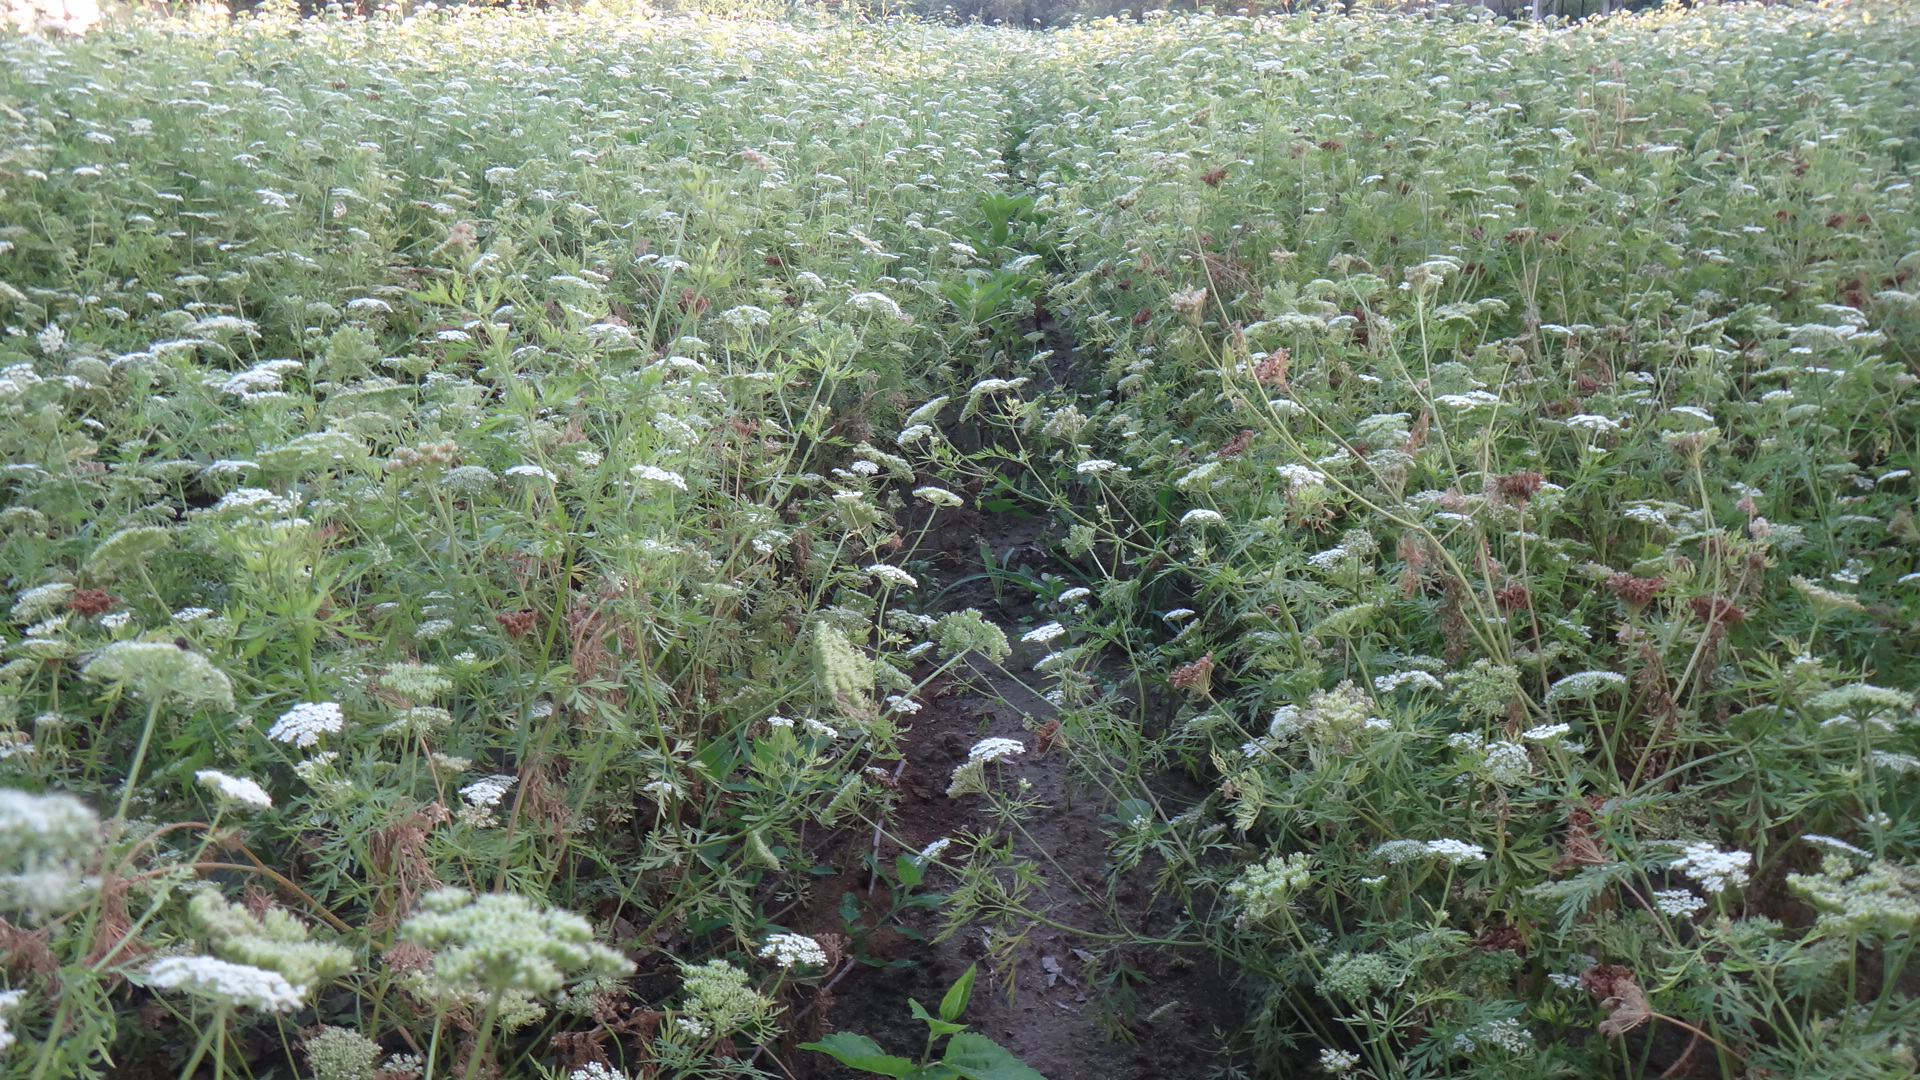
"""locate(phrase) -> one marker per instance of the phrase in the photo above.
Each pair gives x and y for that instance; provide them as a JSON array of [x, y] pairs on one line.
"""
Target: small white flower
[[1095, 465], [191, 614], [937, 496], [864, 468], [1712, 869], [116, 620], [234, 789], [1202, 516], [488, 792], [904, 705], [660, 476], [231, 984], [793, 950], [1678, 903], [1597, 425], [996, 748], [1179, 615], [1457, 851], [780, 722], [932, 851], [1546, 732], [1040, 635], [533, 471], [303, 724], [1075, 595], [815, 727], [1339, 1061], [893, 575]]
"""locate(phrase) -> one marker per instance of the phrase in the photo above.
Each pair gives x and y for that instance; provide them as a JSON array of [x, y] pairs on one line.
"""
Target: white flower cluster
[[933, 851], [9, 1001], [893, 575], [1387, 684], [656, 475], [1712, 869], [1339, 1062], [501, 941], [259, 500], [1456, 852], [1508, 1035], [48, 843], [303, 724], [1042, 634], [971, 775], [235, 789], [482, 797], [1264, 889], [1202, 516], [1679, 903], [994, 749], [793, 950], [227, 983]]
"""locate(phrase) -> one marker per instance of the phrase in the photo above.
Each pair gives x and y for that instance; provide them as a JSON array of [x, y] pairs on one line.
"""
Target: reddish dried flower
[[1272, 371], [1717, 610], [1499, 938], [1635, 591], [1519, 486], [1237, 445], [517, 623], [693, 302], [1197, 676], [85, 602], [1580, 848], [1513, 597], [1213, 178], [1142, 316]]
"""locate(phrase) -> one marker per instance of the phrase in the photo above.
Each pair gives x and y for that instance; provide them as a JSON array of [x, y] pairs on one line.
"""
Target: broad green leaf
[[977, 1057], [934, 1024], [860, 1052], [958, 995]]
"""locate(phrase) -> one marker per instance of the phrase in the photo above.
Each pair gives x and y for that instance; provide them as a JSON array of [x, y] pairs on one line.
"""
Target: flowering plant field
[[470, 478]]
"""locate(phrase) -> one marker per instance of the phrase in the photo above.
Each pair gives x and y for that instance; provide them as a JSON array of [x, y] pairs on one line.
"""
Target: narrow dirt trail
[[1036, 996]]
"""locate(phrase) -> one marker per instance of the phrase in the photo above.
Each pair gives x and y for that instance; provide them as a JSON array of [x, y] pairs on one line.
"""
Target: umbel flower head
[[276, 941], [47, 845], [226, 984], [501, 941], [159, 671]]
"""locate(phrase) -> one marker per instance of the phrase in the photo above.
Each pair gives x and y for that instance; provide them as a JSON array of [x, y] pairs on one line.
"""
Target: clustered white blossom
[[482, 797], [933, 851], [303, 724], [1456, 852], [971, 776], [1508, 1035], [893, 575], [1712, 869], [1387, 684], [1339, 1061], [235, 789], [1044, 633], [1679, 903], [657, 475], [48, 843], [793, 950], [227, 983], [9, 1001]]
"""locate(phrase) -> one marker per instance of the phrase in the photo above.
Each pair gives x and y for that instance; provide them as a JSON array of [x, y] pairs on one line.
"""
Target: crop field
[[609, 544]]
